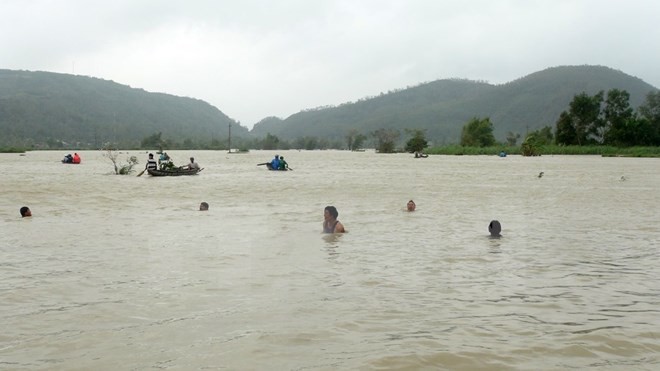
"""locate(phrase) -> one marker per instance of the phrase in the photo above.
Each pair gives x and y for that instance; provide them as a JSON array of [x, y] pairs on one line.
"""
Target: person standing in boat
[[330, 222], [283, 164], [151, 163], [193, 165]]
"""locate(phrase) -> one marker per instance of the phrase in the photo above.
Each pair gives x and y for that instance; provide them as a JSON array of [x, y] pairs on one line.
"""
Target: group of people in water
[[330, 222], [68, 159], [332, 225], [330, 214]]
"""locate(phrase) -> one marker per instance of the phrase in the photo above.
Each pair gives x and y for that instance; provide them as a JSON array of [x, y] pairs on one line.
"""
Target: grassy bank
[[607, 151], [12, 150]]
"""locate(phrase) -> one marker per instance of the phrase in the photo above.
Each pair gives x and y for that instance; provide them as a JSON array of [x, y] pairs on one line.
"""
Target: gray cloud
[[255, 58]]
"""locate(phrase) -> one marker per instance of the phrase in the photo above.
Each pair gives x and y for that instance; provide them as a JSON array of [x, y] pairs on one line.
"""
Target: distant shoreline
[[457, 150]]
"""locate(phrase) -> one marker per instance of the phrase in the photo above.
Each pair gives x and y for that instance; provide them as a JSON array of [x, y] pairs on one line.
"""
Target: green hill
[[43, 108], [443, 107], [85, 112]]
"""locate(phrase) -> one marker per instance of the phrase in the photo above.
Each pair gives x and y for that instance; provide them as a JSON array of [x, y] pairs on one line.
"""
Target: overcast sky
[[257, 58]]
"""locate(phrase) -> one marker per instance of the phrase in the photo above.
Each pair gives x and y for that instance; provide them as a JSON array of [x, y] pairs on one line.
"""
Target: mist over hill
[[40, 108], [443, 107]]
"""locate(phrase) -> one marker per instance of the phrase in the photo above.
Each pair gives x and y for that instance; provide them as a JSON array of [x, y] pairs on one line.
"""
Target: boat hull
[[177, 172], [270, 167]]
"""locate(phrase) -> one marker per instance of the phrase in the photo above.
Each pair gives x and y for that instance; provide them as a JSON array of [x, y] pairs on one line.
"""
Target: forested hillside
[[47, 110], [443, 107], [43, 108]]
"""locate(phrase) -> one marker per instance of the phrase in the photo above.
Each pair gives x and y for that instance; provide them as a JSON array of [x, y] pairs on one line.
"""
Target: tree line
[[601, 119]]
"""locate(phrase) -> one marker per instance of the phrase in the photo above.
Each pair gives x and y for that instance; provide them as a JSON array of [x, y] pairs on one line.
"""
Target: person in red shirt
[[76, 158]]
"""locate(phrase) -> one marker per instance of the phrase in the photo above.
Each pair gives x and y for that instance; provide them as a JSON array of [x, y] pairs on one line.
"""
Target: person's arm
[[339, 228]]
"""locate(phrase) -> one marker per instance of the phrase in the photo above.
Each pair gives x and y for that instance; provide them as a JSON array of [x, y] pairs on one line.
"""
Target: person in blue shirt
[[275, 163]]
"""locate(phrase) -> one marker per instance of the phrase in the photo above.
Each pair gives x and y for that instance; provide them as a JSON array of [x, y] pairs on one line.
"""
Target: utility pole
[[229, 140]]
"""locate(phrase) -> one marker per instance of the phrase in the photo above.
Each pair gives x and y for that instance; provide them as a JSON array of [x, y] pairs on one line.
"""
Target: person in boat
[[410, 206], [76, 158], [330, 222], [68, 159], [192, 165], [204, 206], [151, 163], [494, 228], [283, 164], [25, 212], [275, 163], [164, 161]]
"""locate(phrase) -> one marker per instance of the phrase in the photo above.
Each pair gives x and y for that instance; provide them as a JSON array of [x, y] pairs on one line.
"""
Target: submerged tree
[[531, 146], [355, 140], [512, 139], [385, 139], [418, 141], [120, 169]]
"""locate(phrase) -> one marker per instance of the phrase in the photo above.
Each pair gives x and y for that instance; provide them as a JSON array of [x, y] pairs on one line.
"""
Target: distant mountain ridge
[[443, 107], [41, 107], [37, 107]]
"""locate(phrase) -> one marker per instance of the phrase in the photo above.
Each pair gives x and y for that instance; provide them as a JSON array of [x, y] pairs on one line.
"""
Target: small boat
[[270, 167], [421, 155], [173, 172]]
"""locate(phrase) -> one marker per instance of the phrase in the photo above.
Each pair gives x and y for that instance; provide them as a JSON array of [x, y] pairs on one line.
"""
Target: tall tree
[[585, 114], [478, 133], [650, 119], [566, 133], [618, 117]]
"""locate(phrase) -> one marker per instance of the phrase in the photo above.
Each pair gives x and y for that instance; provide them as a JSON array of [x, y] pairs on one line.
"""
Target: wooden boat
[[173, 172], [270, 167]]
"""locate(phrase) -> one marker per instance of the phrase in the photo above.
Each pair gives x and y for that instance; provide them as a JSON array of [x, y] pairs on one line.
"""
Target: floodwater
[[124, 273]]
